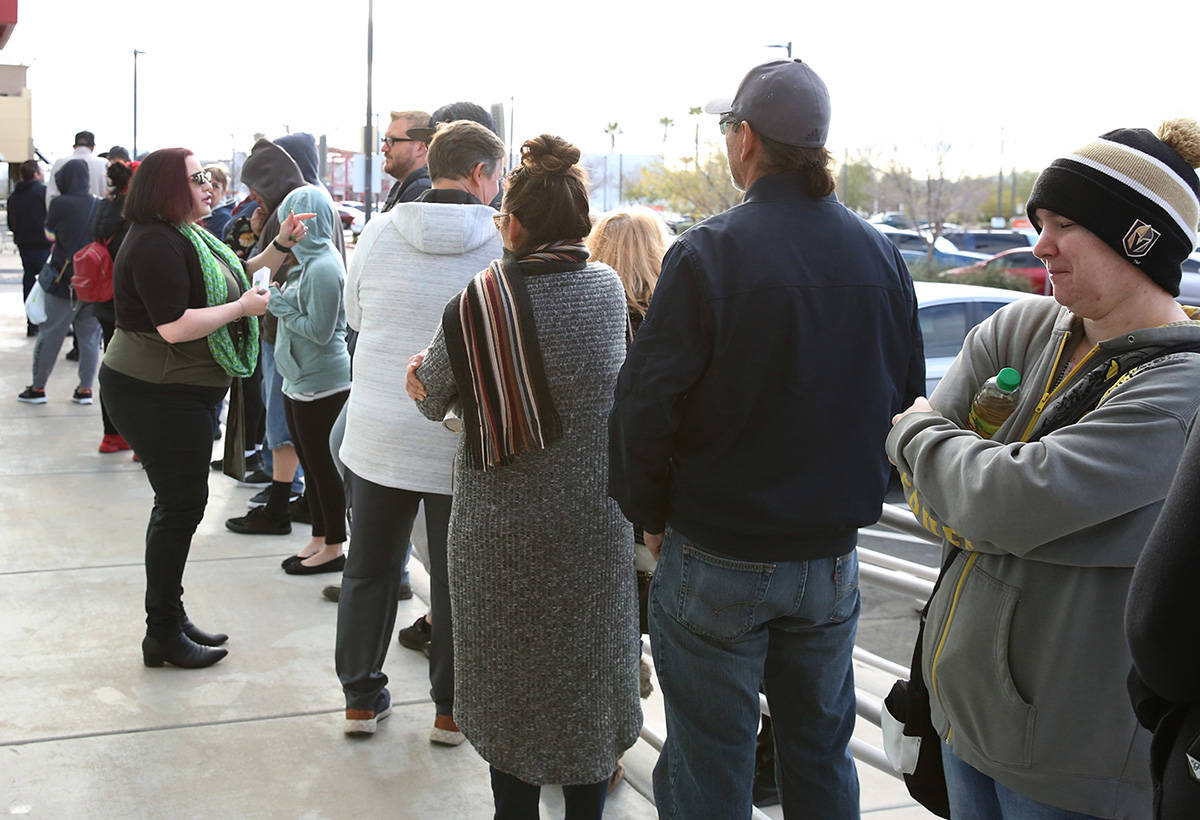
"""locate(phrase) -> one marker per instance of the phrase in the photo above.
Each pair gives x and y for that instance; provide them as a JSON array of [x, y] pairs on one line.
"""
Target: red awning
[[8, 20]]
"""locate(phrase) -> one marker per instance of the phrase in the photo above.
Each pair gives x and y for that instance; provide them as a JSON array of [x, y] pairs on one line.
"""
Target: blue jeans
[[720, 628], [975, 796], [277, 429]]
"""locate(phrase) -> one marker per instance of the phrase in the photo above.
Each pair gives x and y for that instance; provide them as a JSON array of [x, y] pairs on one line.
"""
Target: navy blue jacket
[[752, 409]]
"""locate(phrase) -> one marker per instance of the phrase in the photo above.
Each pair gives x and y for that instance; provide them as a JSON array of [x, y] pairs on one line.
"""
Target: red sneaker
[[113, 443]]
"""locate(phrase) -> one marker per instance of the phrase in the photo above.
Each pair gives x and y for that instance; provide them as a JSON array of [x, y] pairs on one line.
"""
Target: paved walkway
[[86, 731]]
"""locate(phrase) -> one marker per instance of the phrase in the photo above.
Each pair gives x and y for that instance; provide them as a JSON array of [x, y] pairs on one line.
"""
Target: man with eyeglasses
[[404, 158], [746, 440]]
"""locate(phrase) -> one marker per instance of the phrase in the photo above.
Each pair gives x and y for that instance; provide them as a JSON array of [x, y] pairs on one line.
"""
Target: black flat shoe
[[336, 565], [291, 559], [201, 637], [179, 651]]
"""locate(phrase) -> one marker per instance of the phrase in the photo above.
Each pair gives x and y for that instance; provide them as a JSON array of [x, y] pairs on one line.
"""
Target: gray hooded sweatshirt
[[1024, 651]]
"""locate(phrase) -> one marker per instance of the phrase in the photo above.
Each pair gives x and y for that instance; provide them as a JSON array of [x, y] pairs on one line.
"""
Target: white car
[[946, 312], [1189, 284]]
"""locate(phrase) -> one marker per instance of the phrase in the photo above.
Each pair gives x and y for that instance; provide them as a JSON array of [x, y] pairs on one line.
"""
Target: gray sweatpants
[[59, 315]]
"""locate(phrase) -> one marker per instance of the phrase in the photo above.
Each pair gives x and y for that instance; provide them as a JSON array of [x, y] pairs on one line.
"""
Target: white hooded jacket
[[409, 262]]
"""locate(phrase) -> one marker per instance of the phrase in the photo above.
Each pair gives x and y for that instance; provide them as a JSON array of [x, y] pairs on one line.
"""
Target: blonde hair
[[220, 173], [632, 242]]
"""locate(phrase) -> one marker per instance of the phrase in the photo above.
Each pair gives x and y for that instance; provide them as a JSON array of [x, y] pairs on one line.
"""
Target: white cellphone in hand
[[262, 278]]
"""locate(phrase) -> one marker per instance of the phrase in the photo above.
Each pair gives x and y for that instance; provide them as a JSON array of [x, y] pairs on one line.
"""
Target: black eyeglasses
[[390, 141], [201, 177], [725, 122]]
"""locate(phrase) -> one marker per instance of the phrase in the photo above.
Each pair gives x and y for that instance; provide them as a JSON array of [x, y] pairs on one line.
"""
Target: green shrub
[[990, 279]]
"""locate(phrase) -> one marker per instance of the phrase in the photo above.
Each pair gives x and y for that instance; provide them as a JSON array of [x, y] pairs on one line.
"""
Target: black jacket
[[752, 409], [27, 215]]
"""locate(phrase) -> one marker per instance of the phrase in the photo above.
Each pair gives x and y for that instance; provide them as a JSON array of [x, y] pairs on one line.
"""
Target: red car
[[1015, 262]]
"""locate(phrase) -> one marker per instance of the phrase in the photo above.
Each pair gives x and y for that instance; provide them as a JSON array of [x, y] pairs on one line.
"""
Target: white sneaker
[[445, 732]]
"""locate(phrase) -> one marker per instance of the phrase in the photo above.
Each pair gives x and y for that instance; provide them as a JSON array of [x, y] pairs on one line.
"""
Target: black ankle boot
[[201, 637], [179, 651]]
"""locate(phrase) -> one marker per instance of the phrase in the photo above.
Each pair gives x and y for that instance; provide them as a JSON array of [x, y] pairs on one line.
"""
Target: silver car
[[946, 312]]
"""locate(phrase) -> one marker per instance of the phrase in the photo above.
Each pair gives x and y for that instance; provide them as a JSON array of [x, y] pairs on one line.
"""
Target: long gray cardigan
[[542, 585]]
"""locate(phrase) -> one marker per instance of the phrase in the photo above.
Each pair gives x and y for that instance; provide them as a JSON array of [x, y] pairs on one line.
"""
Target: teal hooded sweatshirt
[[310, 345]]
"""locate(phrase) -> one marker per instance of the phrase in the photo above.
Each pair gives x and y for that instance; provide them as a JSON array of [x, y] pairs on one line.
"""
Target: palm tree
[[696, 111], [613, 130], [666, 123]]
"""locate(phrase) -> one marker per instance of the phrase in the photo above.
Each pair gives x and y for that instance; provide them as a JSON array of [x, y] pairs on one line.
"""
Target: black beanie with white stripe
[[1136, 191]]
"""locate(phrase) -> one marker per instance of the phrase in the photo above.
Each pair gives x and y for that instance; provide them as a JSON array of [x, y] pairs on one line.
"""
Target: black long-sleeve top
[[1162, 623]]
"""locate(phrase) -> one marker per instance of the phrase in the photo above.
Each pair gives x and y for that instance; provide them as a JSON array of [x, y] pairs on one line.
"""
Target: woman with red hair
[[185, 327]]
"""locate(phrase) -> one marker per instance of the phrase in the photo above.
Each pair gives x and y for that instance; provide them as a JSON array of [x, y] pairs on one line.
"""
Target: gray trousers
[[59, 315], [380, 531]]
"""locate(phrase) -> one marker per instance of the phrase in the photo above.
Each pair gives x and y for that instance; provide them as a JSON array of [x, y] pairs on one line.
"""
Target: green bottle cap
[[1008, 379]]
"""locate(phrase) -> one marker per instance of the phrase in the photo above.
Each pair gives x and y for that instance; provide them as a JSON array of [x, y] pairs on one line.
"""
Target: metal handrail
[[899, 581], [882, 559], [895, 517]]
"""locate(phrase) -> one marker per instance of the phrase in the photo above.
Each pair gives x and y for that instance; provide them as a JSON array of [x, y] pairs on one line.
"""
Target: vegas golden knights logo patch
[[1140, 239]]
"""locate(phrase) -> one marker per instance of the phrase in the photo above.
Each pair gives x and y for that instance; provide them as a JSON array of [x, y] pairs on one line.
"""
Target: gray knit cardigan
[[542, 585]]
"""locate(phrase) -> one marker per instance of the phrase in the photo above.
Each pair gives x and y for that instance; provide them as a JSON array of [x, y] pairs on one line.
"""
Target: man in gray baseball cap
[[746, 440]]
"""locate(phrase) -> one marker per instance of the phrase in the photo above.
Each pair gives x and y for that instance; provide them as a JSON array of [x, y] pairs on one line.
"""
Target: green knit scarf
[[236, 353]]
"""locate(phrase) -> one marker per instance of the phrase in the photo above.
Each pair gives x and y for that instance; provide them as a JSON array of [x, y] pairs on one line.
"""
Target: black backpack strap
[[1085, 395]]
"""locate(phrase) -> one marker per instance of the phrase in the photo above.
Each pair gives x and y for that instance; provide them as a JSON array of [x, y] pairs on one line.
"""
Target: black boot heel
[[179, 651]]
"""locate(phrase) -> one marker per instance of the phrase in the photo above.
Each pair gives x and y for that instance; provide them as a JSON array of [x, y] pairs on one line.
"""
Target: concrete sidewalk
[[86, 731]]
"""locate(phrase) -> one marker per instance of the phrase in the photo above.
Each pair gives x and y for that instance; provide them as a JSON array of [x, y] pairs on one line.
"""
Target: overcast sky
[[903, 77]]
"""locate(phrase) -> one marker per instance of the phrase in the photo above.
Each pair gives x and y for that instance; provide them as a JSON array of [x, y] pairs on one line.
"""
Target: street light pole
[[135, 56], [787, 45], [368, 137]]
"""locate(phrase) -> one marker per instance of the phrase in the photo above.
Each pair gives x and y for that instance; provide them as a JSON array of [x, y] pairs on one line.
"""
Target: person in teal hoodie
[[311, 356]]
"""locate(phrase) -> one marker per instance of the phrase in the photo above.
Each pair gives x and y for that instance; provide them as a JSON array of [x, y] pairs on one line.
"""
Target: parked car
[[1189, 284], [946, 312], [352, 216], [1014, 262], [991, 241], [913, 247]]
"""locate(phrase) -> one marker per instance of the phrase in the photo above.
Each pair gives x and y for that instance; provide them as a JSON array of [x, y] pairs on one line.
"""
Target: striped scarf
[[492, 341]]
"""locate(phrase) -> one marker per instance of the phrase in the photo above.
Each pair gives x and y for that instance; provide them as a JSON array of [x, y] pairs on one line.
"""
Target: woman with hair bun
[[544, 605]]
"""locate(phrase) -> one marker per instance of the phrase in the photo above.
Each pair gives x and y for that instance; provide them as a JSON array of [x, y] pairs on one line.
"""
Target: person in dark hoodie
[[272, 171], [68, 222], [110, 226], [27, 221]]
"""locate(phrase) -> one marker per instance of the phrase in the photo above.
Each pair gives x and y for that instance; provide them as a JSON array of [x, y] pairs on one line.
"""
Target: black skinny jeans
[[309, 422], [107, 317], [517, 800], [169, 426], [382, 525]]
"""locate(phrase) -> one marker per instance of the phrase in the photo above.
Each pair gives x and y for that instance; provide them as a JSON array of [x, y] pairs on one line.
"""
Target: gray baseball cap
[[784, 100]]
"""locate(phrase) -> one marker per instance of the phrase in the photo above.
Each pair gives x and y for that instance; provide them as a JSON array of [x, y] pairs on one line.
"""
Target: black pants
[[517, 800], [32, 260], [309, 422], [169, 427], [107, 317], [382, 525]]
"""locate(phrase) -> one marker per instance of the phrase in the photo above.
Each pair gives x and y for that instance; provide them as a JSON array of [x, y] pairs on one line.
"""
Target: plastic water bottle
[[995, 402]]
